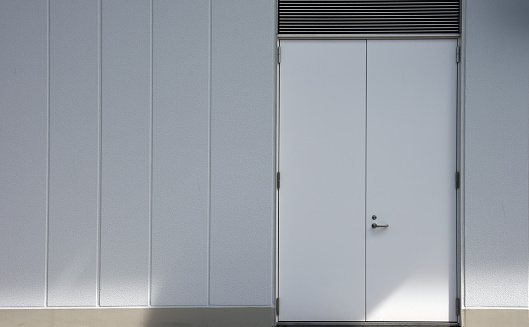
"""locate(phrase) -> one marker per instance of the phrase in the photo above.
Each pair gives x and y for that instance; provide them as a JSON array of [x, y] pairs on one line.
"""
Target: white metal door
[[394, 109], [411, 165], [322, 193]]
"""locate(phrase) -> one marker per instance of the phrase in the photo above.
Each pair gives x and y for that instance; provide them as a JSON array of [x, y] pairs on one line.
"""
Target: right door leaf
[[411, 161]]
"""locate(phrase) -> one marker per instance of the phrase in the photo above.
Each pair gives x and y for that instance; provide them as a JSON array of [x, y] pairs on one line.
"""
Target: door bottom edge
[[367, 323]]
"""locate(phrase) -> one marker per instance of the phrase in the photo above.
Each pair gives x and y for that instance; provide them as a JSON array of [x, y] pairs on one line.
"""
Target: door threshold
[[368, 324]]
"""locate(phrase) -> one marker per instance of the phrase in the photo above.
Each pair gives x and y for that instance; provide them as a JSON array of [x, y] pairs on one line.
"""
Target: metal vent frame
[[368, 17]]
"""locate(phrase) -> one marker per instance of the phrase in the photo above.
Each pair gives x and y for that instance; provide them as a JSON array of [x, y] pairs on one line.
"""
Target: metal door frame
[[459, 159]]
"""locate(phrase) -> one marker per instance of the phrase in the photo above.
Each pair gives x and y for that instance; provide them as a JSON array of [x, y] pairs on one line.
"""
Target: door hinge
[[278, 179], [278, 55], [277, 306], [458, 53], [458, 307], [458, 179]]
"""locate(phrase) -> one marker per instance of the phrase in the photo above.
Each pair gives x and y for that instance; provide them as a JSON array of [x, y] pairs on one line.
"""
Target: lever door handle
[[375, 225]]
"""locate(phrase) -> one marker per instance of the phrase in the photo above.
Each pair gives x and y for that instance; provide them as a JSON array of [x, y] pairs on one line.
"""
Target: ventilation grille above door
[[368, 17]]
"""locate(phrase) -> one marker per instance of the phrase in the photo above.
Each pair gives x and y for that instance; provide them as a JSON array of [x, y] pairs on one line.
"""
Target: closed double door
[[367, 201]]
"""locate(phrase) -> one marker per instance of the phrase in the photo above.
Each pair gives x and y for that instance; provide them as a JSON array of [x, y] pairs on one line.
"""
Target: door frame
[[459, 156]]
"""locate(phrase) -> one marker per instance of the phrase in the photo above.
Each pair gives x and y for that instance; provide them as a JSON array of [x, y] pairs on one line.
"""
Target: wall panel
[[180, 191], [242, 152], [496, 153], [23, 148], [126, 138], [74, 139]]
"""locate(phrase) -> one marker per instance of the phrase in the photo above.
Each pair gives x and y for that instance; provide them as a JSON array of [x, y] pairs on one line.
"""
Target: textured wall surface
[[125, 151], [242, 167], [151, 180], [73, 153], [181, 81], [496, 153], [23, 152]]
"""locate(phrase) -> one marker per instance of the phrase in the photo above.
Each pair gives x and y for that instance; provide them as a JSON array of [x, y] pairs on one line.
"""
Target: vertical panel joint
[[278, 178]]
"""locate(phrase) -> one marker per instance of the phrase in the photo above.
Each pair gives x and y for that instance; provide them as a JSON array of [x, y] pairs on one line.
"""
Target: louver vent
[[368, 17]]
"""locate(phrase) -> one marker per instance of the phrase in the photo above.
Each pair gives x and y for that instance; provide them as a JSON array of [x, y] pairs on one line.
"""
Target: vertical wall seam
[[100, 151], [209, 157], [365, 191], [47, 238], [149, 274]]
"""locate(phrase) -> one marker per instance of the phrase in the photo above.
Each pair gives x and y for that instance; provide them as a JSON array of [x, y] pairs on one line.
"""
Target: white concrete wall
[[23, 152], [137, 141], [496, 133]]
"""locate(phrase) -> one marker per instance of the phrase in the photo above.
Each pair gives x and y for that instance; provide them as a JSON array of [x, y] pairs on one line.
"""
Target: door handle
[[375, 225]]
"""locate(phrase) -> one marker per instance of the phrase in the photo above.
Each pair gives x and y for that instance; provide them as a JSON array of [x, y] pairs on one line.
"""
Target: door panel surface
[[411, 164], [322, 197], [367, 128]]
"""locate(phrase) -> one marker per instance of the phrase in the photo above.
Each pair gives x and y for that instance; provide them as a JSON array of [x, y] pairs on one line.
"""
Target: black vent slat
[[368, 17]]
